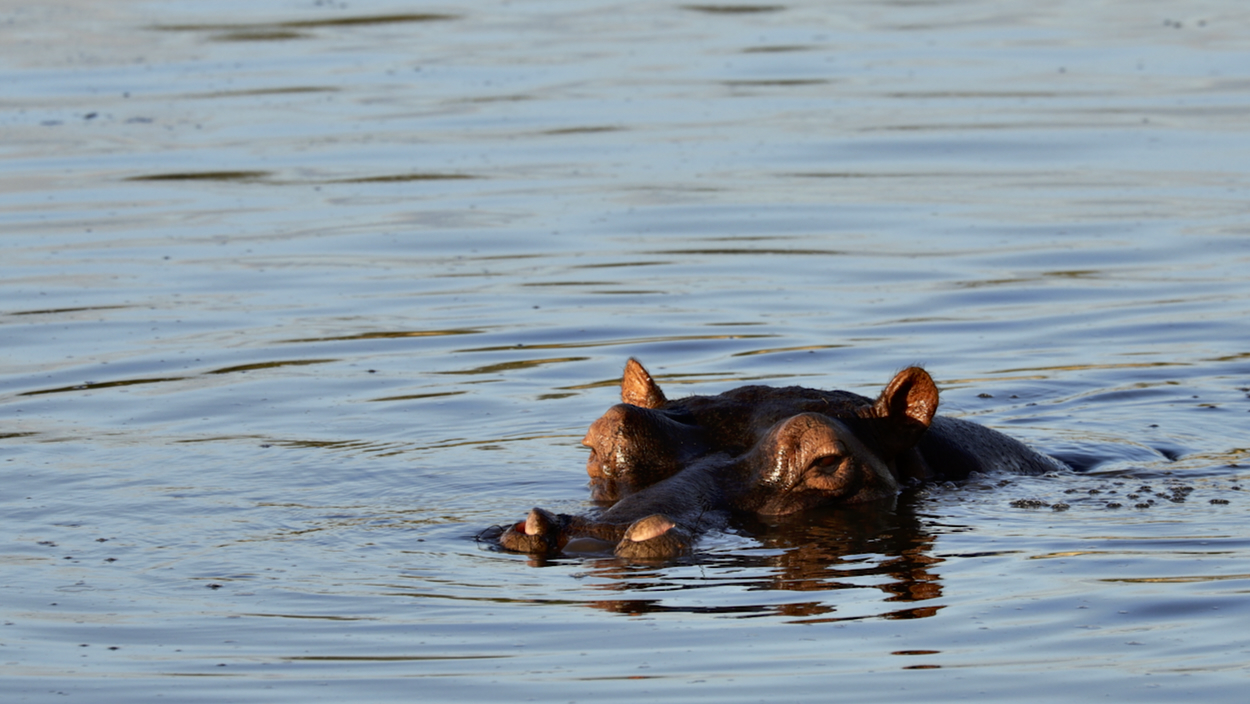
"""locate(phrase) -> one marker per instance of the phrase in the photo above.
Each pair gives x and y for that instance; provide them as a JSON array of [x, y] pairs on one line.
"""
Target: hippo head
[[639, 442], [773, 450], [672, 470]]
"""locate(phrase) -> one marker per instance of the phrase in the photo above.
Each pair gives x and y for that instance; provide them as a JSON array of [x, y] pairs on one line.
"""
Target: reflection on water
[[869, 547]]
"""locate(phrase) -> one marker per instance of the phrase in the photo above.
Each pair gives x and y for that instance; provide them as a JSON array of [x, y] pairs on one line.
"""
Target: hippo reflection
[[807, 566], [672, 470]]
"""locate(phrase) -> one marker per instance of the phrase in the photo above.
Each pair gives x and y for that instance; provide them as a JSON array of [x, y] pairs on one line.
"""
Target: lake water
[[297, 297]]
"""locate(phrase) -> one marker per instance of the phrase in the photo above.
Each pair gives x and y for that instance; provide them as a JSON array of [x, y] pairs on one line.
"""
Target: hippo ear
[[908, 403], [638, 388]]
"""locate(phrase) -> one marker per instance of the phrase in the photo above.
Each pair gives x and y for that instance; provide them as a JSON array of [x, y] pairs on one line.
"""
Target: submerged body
[[674, 469]]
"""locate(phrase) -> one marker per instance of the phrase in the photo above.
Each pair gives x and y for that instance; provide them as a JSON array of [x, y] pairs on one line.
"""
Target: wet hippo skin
[[668, 471]]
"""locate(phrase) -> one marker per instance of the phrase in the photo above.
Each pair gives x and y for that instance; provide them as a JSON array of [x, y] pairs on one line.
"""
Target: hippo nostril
[[595, 467], [650, 527]]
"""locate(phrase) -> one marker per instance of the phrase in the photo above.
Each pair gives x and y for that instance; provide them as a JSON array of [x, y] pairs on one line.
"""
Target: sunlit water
[[298, 297]]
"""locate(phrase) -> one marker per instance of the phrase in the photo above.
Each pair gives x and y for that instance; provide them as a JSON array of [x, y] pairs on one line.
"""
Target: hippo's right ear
[[908, 403], [638, 388]]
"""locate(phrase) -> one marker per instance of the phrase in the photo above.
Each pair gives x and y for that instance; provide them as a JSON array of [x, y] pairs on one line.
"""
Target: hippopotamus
[[667, 471]]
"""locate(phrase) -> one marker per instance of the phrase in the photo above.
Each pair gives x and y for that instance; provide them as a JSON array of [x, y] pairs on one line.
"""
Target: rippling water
[[296, 298]]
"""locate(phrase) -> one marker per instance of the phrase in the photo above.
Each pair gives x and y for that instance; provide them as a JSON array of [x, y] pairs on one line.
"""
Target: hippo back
[[954, 448]]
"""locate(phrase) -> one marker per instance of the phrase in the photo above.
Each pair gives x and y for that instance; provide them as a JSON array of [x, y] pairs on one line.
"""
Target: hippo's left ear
[[909, 403], [638, 388]]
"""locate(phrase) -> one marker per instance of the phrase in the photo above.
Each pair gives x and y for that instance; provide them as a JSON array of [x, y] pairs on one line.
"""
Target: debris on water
[[1144, 496], [1029, 503], [1219, 502]]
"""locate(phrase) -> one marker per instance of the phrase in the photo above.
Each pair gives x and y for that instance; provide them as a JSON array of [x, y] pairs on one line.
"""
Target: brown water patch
[[777, 49], [418, 397], [389, 335], [270, 365], [291, 29], [734, 9], [92, 386], [582, 130], [781, 252], [617, 342], [402, 178], [776, 82], [281, 90], [776, 350], [239, 176], [511, 366], [57, 311]]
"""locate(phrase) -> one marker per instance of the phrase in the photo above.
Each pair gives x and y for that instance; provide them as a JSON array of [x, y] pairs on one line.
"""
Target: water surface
[[296, 298]]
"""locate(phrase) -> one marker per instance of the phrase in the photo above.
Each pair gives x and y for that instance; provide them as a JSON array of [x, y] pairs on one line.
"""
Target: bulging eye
[[825, 462]]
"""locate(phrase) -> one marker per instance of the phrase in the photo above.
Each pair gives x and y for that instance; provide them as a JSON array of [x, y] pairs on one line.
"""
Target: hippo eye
[[825, 462]]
